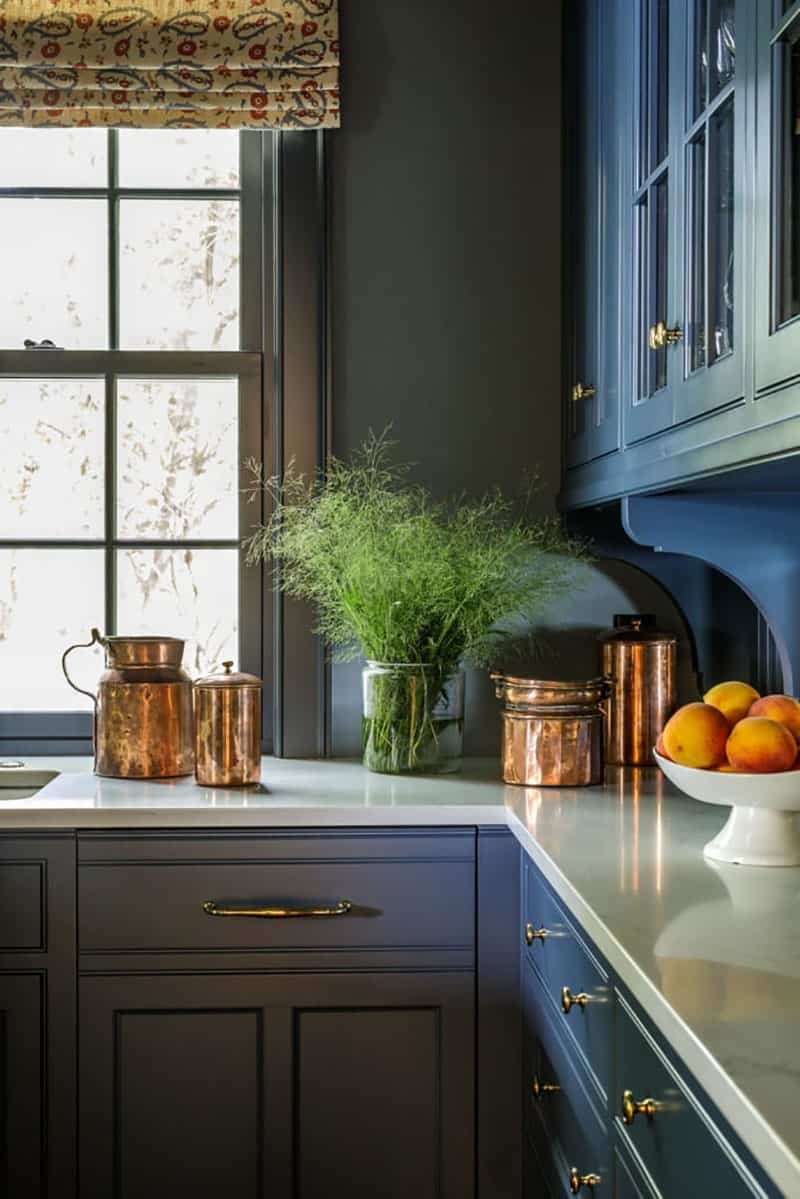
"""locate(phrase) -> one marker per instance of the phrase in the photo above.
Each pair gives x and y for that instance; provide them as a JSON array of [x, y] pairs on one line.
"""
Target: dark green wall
[[446, 248]]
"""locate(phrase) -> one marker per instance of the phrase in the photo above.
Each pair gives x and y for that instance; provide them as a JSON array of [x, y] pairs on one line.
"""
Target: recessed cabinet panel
[[22, 1087]]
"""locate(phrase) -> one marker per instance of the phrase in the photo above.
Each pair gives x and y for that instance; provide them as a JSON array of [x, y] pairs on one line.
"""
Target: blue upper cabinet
[[777, 322], [592, 244], [688, 141]]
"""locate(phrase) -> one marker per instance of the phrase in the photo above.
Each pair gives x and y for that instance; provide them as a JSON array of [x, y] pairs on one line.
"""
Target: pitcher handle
[[96, 640]]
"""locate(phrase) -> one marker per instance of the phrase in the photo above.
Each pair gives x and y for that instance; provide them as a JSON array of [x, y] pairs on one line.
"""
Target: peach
[[734, 700], [782, 708], [661, 747], [695, 736], [758, 745]]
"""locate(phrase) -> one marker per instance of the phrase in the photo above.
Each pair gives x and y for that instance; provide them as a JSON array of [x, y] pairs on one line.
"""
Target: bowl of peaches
[[739, 749]]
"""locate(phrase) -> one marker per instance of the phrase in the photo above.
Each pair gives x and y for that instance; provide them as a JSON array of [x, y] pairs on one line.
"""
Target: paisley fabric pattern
[[169, 63]]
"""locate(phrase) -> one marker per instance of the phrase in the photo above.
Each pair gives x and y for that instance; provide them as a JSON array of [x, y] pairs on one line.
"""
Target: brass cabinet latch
[[660, 336], [568, 1000], [631, 1108], [535, 934], [582, 391], [539, 1089], [577, 1181]]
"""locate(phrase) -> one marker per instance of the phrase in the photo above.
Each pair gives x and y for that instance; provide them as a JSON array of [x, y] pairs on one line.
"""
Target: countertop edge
[[769, 1150]]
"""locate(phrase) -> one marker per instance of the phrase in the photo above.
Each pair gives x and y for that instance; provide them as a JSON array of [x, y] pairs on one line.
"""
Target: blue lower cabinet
[[608, 1107]]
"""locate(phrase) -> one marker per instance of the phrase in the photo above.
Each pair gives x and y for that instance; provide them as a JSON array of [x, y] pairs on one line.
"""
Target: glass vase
[[413, 718]]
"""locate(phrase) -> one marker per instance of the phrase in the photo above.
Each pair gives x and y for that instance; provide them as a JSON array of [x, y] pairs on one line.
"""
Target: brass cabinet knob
[[660, 336], [568, 1000], [577, 1181], [535, 934], [539, 1088], [582, 391], [631, 1108]]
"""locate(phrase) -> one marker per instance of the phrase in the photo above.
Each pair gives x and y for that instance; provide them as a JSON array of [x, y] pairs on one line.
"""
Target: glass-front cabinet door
[[777, 324], [652, 222], [708, 339]]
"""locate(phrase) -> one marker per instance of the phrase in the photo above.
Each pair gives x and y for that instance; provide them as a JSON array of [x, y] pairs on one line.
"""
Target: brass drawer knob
[[535, 934], [582, 391], [569, 1001], [631, 1108], [577, 1181], [660, 335], [539, 1088]]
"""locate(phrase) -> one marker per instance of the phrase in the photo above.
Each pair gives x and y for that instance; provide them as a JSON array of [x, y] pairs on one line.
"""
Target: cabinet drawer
[[561, 1110], [679, 1144], [563, 960], [22, 887], [149, 895]]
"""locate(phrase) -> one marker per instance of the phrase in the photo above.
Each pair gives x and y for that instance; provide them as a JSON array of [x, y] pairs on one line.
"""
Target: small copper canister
[[640, 661], [552, 731], [227, 729]]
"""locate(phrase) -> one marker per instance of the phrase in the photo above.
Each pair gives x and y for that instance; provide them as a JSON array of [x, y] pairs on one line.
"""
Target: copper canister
[[142, 709], [552, 731], [640, 661], [227, 729]]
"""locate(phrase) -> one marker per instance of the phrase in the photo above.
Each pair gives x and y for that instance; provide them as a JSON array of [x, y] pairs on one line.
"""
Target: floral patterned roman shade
[[213, 64]]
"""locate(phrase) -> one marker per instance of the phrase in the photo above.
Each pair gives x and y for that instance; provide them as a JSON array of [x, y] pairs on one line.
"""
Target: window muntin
[[120, 479]]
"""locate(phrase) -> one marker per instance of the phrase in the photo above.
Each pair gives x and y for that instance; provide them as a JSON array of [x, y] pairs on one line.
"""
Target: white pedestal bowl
[[762, 829]]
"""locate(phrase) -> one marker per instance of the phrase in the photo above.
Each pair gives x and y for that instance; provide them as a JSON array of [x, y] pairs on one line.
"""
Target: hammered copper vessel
[[228, 729], [552, 731], [143, 708], [640, 661]]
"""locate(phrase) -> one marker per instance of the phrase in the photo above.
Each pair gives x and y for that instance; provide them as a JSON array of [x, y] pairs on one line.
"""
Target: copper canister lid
[[536, 695], [230, 678], [637, 627]]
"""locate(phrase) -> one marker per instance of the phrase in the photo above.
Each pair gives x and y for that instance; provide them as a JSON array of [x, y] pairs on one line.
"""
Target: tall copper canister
[[142, 709], [640, 661], [227, 721]]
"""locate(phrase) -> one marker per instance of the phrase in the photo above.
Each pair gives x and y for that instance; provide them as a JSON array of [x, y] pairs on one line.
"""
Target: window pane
[[51, 445], [720, 230], [35, 631], [53, 158], [697, 253], [168, 158], [177, 466], [182, 593], [179, 274], [723, 44], [54, 256]]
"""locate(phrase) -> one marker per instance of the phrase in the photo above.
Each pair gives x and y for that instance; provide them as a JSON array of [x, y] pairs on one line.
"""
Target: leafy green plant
[[398, 577]]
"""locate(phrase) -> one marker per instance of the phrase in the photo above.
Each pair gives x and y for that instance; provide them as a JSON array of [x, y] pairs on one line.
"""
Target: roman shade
[[211, 64]]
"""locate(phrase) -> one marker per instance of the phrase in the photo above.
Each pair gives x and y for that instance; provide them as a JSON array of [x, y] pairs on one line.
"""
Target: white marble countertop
[[712, 953]]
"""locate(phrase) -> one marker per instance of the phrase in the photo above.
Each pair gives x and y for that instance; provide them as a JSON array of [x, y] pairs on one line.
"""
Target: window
[[138, 254]]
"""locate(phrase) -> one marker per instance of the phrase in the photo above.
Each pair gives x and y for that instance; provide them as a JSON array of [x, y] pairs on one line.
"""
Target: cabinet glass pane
[[179, 274], [55, 256], [659, 249], [186, 593], [723, 44], [642, 309], [177, 459], [177, 158], [700, 97], [788, 185], [720, 231], [53, 158], [52, 444], [697, 252], [35, 630], [660, 82]]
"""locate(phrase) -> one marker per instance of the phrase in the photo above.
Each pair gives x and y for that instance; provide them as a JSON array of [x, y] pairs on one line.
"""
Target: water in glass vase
[[413, 718]]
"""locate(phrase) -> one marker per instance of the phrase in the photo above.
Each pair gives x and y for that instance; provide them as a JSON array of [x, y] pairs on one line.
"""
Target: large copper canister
[[552, 731], [640, 661], [142, 709], [227, 729]]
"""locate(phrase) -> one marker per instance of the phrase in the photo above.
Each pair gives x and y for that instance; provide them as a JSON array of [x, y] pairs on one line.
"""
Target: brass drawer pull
[[660, 336], [535, 934], [576, 1181], [631, 1108], [539, 1088], [212, 908], [568, 1000], [582, 391]]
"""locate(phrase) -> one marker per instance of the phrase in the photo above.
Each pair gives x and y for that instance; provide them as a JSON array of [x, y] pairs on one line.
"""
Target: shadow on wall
[[566, 648]]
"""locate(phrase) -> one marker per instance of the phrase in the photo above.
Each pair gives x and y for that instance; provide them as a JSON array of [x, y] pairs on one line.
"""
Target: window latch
[[44, 344]]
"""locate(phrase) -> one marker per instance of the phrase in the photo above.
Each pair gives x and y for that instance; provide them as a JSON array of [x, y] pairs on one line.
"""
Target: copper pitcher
[[143, 726]]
